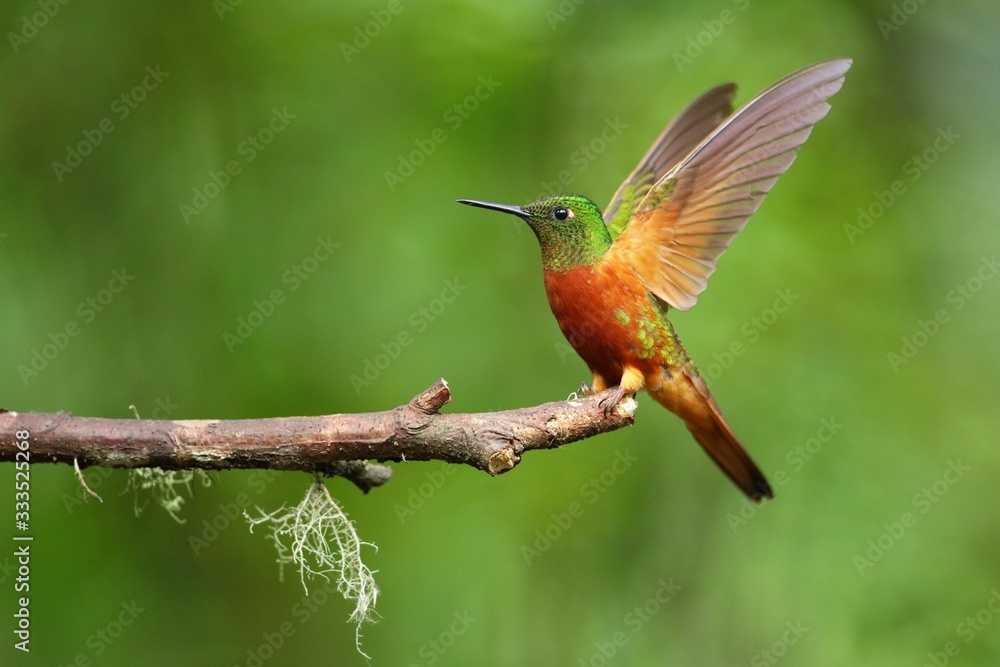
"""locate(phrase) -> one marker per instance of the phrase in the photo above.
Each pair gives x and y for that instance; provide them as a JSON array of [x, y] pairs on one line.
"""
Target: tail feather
[[687, 396]]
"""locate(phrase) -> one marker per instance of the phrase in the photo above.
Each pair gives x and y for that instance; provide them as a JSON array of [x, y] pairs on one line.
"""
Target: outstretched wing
[[688, 218], [677, 139]]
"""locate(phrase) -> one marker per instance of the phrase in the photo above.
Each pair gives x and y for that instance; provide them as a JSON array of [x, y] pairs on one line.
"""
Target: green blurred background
[[873, 552]]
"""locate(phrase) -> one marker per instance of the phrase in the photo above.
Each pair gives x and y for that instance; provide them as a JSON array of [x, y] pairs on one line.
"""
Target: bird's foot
[[611, 401], [586, 389]]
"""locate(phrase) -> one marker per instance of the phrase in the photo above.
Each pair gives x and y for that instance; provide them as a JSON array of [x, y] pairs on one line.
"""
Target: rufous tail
[[687, 396]]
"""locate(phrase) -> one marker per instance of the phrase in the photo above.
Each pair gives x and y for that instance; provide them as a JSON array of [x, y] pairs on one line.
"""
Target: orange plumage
[[608, 316]]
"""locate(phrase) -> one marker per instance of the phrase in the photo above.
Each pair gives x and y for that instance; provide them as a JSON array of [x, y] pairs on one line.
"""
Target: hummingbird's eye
[[562, 213]]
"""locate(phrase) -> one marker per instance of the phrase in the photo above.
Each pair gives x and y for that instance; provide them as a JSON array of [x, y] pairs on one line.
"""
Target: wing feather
[[689, 216], [677, 140]]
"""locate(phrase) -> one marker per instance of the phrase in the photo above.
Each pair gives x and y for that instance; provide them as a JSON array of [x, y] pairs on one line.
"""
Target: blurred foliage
[[854, 438]]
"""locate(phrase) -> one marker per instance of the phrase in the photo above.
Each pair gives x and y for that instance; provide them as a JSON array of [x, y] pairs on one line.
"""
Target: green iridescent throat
[[580, 240]]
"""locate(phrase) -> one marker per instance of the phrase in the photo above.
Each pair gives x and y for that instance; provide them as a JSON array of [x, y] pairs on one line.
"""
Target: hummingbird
[[612, 277]]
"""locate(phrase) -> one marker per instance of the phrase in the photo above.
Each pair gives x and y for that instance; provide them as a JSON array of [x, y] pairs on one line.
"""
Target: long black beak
[[503, 208]]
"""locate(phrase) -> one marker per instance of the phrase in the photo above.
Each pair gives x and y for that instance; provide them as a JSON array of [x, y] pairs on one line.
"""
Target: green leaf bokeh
[[884, 233]]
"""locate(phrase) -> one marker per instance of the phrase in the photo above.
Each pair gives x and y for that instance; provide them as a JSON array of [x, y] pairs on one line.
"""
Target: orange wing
[[688, 218], [677, 139]]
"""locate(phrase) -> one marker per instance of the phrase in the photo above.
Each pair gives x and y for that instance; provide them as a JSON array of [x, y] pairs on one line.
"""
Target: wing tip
[[838, 65]]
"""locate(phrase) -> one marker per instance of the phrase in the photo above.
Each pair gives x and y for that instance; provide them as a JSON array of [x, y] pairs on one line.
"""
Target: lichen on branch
[[319, 539]]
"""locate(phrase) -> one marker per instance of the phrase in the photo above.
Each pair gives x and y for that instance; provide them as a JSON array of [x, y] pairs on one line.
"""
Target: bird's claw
[[586, 389], [611, 401]]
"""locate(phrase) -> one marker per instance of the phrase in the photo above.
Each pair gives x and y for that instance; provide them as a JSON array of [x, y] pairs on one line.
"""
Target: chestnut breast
[[599, 309]]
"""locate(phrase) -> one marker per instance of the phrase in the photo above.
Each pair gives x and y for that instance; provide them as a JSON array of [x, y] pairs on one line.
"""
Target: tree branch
[[333, 444]]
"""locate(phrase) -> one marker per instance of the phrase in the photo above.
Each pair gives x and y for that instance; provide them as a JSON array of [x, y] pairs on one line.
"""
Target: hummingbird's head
[[570, 228]]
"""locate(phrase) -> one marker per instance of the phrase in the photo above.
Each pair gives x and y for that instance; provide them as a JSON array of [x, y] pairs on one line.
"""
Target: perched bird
[[611, 279]]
